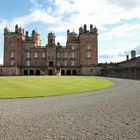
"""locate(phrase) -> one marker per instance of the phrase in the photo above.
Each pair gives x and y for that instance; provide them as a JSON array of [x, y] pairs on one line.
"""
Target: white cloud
[[119, 53], [124, 30], [36, 16], [125, 3]]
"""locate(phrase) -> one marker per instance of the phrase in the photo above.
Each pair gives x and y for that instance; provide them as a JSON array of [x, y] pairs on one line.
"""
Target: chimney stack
[[127, 57], [133, 54]]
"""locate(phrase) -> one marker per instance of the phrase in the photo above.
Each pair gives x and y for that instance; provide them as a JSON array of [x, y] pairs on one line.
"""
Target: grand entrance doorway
[[62, 72], [37, 72], [25, 72], [68, 72], [74, 72], [31, 72], [50, 72]]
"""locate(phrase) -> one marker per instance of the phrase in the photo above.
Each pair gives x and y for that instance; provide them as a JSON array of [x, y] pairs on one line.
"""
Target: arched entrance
[[62, 72], [31, 72], [68, 72], [37, 72], [25, 72], [50, 72], [74, 72]]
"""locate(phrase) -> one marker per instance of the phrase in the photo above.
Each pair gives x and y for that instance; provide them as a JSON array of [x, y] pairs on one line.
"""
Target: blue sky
[[118, 22]]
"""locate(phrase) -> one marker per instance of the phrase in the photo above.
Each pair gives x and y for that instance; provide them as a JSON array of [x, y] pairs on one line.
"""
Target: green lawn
[[35, 86]]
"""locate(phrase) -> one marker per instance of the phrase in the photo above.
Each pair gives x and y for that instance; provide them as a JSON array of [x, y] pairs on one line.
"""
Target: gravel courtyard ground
[[110, 114]]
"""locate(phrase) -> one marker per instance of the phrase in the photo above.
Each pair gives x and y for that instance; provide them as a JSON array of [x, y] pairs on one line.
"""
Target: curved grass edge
[[62, 94]]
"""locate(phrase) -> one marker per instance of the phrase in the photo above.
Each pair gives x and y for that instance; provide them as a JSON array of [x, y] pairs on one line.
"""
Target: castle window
[[65, 63], [28, 63], [88, 54], [12, 62], [12, 54], [12, 44], [73, 47], [65, 55], [28, 55], [35, 54], [58, 63], [73, 63], [72, 54], [58, 54], [43, 55], [88, 46]]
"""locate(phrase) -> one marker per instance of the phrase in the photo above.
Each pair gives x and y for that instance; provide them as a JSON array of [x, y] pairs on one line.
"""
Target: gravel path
[[110, 114]]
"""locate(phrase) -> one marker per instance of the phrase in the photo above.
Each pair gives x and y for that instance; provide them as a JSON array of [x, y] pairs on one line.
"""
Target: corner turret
[[16, 29], [51, 39], [6, 30], [85, 28]]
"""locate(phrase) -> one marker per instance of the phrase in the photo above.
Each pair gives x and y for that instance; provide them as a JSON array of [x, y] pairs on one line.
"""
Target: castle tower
[[81, 30], [36, 38], [51, 39], [12, 47], [88, 46], [133, 54]]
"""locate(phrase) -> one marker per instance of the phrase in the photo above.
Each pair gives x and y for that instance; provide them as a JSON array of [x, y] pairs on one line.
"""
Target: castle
[[24, 55]]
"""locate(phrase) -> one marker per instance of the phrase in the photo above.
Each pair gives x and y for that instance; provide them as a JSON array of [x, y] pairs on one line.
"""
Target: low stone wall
[[91, 70], [120, 72], [9, 71]]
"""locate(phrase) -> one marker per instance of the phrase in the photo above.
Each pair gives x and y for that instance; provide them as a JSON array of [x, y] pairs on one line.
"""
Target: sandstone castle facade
[[24, 53]]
